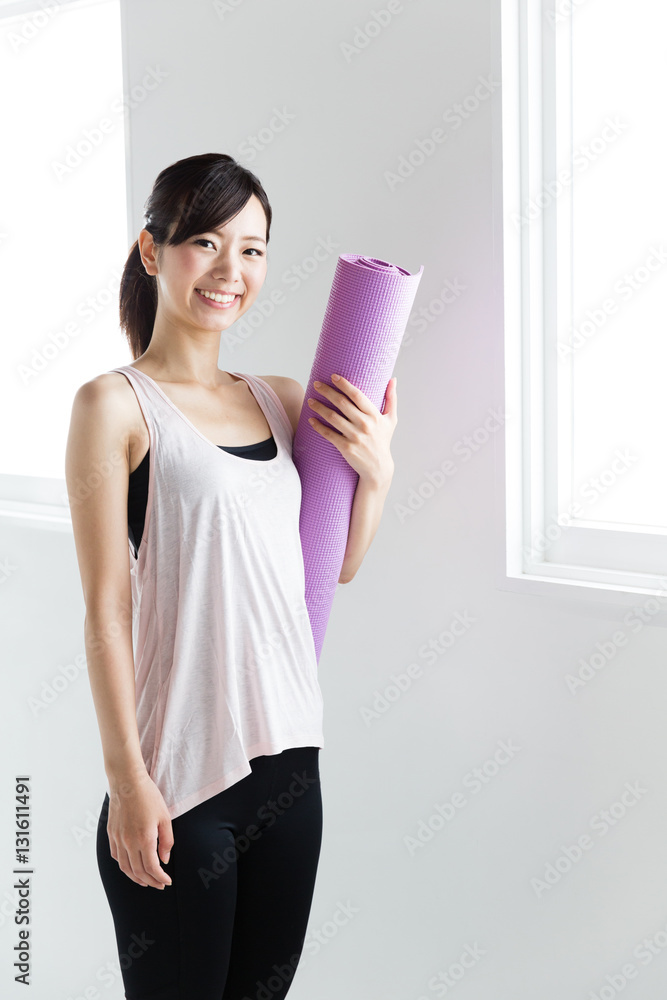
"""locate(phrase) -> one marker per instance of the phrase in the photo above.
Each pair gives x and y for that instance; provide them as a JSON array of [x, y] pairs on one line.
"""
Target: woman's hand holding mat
[[356, 427]]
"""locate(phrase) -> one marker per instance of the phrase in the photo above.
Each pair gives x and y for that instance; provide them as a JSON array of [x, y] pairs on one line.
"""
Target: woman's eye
[[254, 249]]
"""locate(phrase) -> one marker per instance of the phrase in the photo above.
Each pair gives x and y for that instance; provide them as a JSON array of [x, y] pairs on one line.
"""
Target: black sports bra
[[137, 494]]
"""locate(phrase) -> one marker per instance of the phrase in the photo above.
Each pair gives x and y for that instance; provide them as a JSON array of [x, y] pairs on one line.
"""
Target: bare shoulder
[[107, 407], [101, 387], [290, 392], [104, 396]]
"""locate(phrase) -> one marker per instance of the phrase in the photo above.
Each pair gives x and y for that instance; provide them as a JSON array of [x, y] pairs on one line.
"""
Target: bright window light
[[619, 262], [63, 224]]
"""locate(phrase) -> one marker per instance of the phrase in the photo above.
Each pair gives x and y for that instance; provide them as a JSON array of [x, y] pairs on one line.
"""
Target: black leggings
[[243, 865]]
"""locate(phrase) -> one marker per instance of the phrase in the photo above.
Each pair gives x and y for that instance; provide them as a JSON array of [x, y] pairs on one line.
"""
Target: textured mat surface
[[364, 322]]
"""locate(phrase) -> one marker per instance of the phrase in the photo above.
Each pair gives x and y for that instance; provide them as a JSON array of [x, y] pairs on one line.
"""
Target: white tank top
[[224, 656]]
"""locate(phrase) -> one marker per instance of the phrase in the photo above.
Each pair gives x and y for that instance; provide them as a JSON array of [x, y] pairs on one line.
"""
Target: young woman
[[200, 654]]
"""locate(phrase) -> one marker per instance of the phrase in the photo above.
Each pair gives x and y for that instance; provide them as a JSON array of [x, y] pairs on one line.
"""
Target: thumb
[[165, 839], [390, 398]]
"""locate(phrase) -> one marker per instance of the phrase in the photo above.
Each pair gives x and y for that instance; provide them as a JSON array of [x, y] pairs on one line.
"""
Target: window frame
[[570, 558]]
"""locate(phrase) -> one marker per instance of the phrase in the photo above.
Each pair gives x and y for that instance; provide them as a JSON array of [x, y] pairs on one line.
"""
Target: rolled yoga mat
[[365, 319]]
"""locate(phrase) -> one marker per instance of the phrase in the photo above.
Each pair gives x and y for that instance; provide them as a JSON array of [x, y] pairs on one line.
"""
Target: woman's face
[[231, 259]]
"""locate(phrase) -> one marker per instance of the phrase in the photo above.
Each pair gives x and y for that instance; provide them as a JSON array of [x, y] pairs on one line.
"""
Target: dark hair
[[193, 195]]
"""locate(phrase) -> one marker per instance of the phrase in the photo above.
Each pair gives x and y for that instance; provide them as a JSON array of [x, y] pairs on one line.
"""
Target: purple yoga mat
[[368, 308]]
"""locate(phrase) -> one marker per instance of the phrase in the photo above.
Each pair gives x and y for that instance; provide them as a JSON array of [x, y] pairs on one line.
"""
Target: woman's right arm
[[97, 472]]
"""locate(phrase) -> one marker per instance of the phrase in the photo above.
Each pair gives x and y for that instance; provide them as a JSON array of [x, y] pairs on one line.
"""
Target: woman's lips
[[217, 305]]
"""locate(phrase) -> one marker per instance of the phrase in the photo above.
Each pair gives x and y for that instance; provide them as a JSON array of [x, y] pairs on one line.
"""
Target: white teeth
[[216, 297]]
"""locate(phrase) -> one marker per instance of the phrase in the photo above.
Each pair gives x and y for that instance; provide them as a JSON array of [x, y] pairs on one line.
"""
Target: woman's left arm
[[362, 436]]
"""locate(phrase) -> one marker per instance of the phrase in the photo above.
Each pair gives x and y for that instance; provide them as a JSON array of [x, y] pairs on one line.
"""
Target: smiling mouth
[[216, 299]]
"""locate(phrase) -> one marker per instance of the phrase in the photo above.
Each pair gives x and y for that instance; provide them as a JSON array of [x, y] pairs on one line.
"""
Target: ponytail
[[138, 302]]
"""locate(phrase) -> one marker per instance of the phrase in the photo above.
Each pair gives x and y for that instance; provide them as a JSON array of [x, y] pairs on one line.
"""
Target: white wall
[[502, 682]]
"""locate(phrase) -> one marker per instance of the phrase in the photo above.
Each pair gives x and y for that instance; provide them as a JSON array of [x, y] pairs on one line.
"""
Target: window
[[585, 288], [64, 236]]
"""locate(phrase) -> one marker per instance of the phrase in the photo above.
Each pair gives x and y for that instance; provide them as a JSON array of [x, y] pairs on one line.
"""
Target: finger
[[125, 865], [326, 432], [145, 877], [346, 406], [327, 413], [139, 870], [390, 401], [359, 398], [165, 836], [154, 870]]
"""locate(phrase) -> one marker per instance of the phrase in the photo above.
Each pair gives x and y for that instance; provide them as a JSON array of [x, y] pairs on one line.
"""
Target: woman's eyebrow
[[261, 239]]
